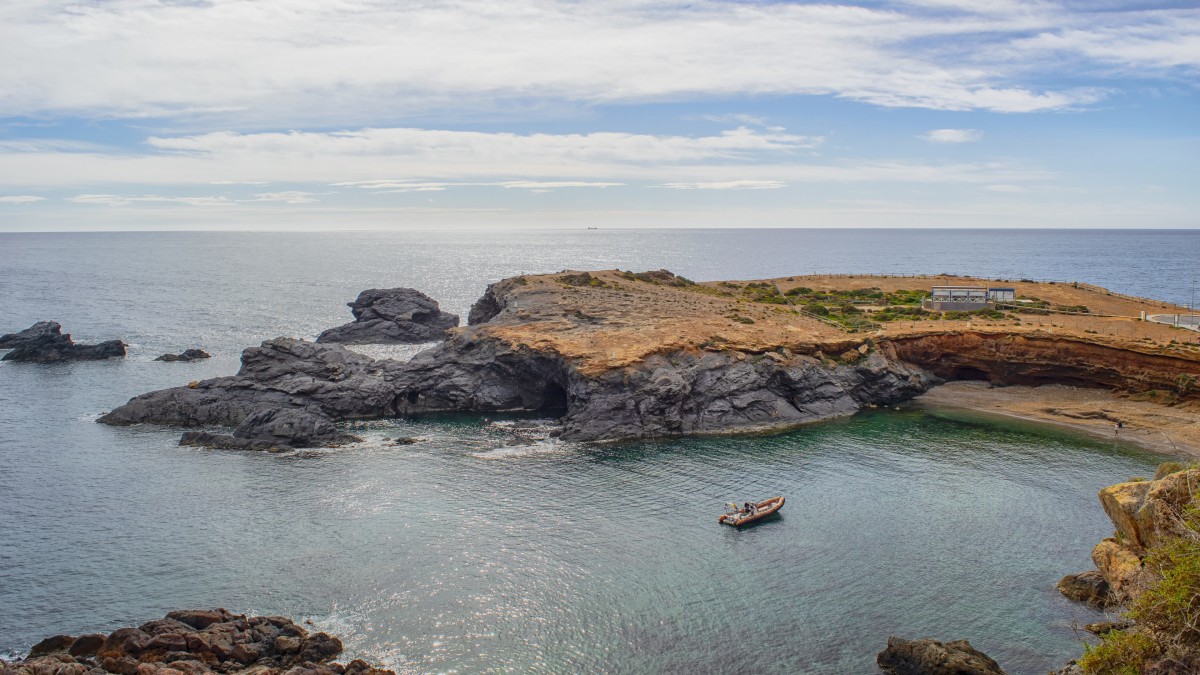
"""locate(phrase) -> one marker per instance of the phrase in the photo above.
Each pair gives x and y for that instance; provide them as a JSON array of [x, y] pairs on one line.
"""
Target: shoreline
[[1158, 428]]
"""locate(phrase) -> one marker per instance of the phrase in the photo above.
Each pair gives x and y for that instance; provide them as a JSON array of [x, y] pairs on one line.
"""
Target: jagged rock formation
[[1143, 513], [186, 355], [392, 316], [682, 393], [275, 430], [44, 342], [493, 301], [193, 642], [930, 657]]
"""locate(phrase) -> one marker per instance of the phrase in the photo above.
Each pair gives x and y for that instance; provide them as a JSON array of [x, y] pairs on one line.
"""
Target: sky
[[420, 114]]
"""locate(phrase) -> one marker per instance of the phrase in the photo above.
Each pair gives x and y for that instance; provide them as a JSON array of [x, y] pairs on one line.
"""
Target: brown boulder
[[57, 643], [87, 645], [201, 618], [320, 647], [124, 641], [930, 657], [1090, 587], [1121, 567]]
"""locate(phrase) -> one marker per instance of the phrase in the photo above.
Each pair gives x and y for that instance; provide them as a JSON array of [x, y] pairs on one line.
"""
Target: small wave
[[531, 430], [517, 451], [390, 352], [90, 417]]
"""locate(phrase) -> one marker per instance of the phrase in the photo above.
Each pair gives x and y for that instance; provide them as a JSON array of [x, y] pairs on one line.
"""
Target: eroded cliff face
[[1035, 359]]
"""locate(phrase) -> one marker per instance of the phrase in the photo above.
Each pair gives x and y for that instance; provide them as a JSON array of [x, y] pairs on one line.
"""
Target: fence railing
[[1075, 284]]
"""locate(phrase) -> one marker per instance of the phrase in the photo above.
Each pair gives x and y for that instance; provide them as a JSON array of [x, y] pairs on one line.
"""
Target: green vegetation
[[664, 277], [758, 291], [582, 279], [1185, 383], [1166, 635]]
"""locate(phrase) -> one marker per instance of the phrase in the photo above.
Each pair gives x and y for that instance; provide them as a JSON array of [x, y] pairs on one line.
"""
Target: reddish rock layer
[[193, 642]]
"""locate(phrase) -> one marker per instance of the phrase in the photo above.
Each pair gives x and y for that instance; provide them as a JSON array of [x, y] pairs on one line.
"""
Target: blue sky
[[366, 114]]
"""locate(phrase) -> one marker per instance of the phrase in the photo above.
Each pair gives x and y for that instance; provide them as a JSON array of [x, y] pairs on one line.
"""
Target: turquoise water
[[488, 547]]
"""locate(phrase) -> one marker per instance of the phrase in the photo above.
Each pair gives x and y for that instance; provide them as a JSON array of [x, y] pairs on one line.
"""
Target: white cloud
[[1006, 188], [427, 160], [353, 62], [20, 199], [287, 197], [120, 200], [728, 185], [953, 135]]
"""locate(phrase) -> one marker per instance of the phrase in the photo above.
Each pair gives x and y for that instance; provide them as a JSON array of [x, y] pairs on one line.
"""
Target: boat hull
[[763, 509]]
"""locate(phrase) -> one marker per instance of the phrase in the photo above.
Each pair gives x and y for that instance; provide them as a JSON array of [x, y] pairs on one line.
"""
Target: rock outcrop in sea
[[930, 657], [186, 355], [672, 394], [44, 342], [193, 642], [392, 316]]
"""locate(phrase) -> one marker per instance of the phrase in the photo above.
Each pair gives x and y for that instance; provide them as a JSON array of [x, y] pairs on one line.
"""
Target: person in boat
[[749, 508]]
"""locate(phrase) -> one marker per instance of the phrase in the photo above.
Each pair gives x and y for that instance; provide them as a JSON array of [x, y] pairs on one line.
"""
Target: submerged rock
[[44, 342], [187, 355], [1090, 587], [930, 657], [392, 316], [193, 642]]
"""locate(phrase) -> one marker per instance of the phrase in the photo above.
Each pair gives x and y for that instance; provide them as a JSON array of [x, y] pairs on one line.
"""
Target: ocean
[[490, 547]]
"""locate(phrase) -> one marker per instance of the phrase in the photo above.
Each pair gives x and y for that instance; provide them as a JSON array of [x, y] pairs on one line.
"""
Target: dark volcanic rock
[[1090, 587], [477, 370], [193, 642], [930, 657], [277, 429], [282, 373], [208, 439], [188, 355], [392, 316], [44, 342]]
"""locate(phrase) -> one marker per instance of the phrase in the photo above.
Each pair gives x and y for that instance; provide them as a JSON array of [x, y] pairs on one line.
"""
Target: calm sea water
[[489, 548]]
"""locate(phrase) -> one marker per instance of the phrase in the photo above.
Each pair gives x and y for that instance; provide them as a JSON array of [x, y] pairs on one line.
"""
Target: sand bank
[[1169, 429]]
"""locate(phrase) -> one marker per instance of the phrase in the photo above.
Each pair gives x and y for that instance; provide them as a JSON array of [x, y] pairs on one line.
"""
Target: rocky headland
[[392, 316], [44, 342], [193, 642], [620, 355], [1150, 567]]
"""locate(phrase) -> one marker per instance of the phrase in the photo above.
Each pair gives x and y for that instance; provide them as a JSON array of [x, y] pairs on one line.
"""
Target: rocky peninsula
[[193, 642], [44, 342], [618, 355]]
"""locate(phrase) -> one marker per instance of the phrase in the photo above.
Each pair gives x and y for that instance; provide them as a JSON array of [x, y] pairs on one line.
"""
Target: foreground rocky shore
[[620, 355], [193, 642]]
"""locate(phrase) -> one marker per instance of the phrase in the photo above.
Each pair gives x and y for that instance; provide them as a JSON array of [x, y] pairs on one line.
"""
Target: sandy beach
[[1173, 430]]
